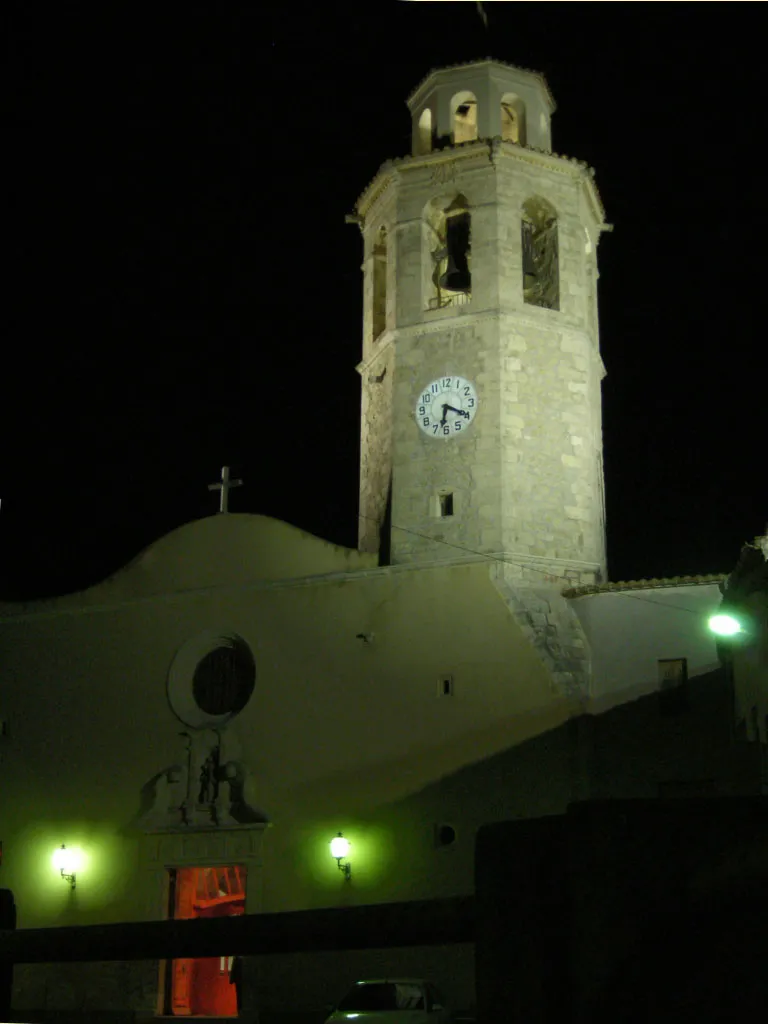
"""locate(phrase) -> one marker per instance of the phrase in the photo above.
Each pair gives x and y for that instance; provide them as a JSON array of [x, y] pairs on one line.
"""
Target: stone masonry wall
[[469, 466], [527, 476]]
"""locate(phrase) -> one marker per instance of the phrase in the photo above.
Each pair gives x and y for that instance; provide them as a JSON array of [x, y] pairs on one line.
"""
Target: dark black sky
[[182, 276]]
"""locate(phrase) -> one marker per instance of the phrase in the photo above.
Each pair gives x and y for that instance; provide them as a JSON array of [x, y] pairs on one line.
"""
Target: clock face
[[446, 407]]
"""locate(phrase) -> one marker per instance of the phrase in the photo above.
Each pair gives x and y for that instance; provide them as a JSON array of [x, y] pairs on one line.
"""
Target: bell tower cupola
[[481, 101]]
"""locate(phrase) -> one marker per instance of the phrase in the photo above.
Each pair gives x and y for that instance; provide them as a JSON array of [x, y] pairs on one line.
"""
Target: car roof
[[399, 981]]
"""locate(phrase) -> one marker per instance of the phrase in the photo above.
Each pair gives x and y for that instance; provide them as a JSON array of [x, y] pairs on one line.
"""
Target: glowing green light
[[725, 625], [67, 859], [339, 846]]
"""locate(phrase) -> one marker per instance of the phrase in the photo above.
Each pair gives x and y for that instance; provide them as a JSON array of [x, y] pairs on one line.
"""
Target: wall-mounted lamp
[[340, 850], [725, 624], [66, 861]]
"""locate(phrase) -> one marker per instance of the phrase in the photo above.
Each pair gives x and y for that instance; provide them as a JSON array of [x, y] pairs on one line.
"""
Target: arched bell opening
[[449, 237], [464, 117], [512, 119], [541, 271], [425, 132]]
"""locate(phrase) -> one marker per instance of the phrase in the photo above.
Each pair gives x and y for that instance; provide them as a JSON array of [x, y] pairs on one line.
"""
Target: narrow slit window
[[445, 686], [446, 505], [379, 318]]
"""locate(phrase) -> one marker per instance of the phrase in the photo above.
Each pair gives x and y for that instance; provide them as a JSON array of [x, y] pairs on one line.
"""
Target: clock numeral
[[447, 382], [426, 421], [435, 388], [466, 390], [426, 398], [457, 426], [435, 428], [471, 403], [446, 430], [422, 411]]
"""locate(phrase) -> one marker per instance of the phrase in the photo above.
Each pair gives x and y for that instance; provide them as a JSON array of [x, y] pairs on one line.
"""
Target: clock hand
[[459, 412], [445, 408]]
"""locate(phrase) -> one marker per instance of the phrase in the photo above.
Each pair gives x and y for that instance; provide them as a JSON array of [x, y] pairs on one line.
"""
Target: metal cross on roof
[[224, 488]]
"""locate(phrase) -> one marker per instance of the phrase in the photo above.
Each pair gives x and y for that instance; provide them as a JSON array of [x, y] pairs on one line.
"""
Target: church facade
[[199, 727]]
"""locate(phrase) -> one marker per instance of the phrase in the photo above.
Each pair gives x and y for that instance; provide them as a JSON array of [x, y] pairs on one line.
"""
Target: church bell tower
[[481, 412]]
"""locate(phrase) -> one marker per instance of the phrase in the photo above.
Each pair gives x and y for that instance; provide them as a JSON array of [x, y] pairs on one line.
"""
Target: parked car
[[392, 1001]]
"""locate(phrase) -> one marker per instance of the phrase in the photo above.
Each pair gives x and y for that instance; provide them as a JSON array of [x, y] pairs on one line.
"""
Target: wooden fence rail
[[374, 926]]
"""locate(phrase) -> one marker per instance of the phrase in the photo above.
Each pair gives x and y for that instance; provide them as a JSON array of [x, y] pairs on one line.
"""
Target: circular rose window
[[211, 679], [223, 680]]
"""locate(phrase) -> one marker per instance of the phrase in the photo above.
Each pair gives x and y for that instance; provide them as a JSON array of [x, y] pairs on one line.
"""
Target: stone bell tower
[[481, 413]]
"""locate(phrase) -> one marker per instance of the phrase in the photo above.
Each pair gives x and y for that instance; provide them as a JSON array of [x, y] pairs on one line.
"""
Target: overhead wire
[[531, 568]]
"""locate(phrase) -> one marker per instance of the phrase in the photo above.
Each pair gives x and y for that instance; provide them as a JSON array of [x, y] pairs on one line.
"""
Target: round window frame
[[181, 678]]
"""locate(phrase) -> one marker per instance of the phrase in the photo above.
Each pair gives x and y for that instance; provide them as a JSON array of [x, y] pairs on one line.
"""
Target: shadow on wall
[[382, 784], [627, 751]]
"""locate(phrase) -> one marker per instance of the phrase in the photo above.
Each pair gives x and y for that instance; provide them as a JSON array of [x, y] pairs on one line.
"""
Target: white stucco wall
[[629, 631]]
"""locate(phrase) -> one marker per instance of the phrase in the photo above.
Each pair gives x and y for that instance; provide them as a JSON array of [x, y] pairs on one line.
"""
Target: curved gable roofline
[[218, 552]]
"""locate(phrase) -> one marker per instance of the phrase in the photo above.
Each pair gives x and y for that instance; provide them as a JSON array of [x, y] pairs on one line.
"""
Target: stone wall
[[553, 629], [469, 466]]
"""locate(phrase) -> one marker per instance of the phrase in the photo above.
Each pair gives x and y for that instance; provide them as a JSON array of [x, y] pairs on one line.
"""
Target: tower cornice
[[496, 149], [424, 328]]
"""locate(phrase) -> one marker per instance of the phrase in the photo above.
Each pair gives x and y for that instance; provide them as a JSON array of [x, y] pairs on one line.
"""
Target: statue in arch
[[201, 791]]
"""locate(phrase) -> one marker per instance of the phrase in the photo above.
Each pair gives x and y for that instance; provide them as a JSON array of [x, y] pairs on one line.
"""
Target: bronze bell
[[456, 277]]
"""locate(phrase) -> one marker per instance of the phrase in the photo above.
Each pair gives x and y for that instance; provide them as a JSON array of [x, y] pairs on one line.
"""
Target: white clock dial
[[446, 407]]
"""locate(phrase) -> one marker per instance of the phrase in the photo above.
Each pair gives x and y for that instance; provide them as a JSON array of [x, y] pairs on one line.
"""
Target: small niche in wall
[[445, 686], [445, 835]]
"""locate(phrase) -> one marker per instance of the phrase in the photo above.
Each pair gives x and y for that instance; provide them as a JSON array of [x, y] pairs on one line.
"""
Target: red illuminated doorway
[[201, 987]]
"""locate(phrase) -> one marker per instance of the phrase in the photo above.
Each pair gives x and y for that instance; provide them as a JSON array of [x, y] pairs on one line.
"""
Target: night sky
[[184, 292]]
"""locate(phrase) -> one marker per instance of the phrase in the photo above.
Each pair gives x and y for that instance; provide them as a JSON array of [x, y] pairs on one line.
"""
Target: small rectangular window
[[672, 672], [673, 685], [442, 504], [445, 686]]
